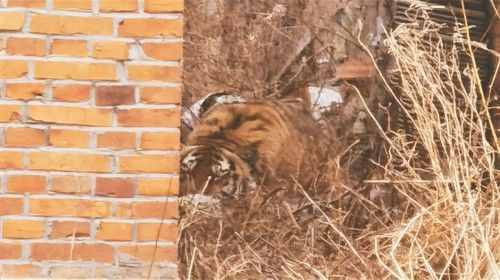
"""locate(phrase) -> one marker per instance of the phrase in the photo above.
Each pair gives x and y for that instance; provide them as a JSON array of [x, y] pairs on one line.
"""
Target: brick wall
[[89, 117]]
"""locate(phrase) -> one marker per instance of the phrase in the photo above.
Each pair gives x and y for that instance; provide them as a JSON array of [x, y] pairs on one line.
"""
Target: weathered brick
[[69, 138], [123, 210], [150, 27], [116, 140], [147, 253], [69, 208], [69, 229], [75, 70], [157, 95], [69, 162], [114, 95], [9, 113], [149, 163], [70, 115], [115, 187], [118, 6], [24, 137], [152, 232], [11, 160], [10, 251], [26, 184], [146, 271], [114, 231], [25, 91], [155, 209], [160, 141], [67, 252], [163, 51], [11, 206], [71, 184], [139, 72], [111, 50], [158, 186], [163, 6], [23, 229], [71, 25], [70, 272], [26, 3], [11, 21], [149, 117], [78, 5], [69, 47], [26, 46], [11, 271], [71, 93], [10, 69]]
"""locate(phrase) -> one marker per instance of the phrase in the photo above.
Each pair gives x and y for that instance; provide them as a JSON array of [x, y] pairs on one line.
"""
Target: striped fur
[[243, 144]]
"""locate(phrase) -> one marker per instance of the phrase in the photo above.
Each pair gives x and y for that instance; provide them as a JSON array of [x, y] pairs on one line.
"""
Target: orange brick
[[26, 46], [69, 208], [75, 71], [163, 6], [114, 95], [10, 113], [11, 160], [10, 206], [70, 272], [24, 137], [123, 210], [149, 164], [68, 229], [11, 21], [147, 253], [69, 47], [10, 251], [71, 184], [149, 117], [156, 95], [152, 232], [116, 140], [11, 271], [23, 229], [10, 69], [158, 186], [71, 25], [112, 231], [160, 141], [26, 184], [72, 252], [163, 51], [26, 3], [70, 115], [154, 73], [150, 27], [111, 50], [78, 5], [69, 162], [71, 93], [118, 6], [69, 138], [155, 209], [25, 91], [116, 187]]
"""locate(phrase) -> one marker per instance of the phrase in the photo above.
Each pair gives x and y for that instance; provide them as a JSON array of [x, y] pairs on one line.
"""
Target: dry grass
[[430, 210]]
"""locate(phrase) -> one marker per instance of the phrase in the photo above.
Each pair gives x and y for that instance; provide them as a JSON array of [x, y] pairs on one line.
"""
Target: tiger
[[238, 146]]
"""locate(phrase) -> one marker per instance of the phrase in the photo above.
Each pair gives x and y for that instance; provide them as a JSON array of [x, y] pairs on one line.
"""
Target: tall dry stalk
[[446, 169]]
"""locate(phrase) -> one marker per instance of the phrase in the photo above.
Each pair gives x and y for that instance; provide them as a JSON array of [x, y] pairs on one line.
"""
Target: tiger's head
[[212, 170]]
